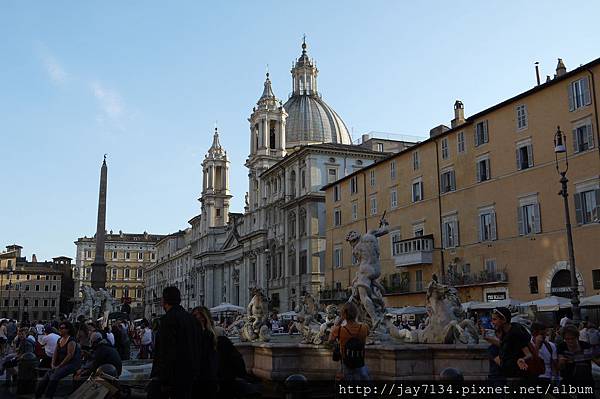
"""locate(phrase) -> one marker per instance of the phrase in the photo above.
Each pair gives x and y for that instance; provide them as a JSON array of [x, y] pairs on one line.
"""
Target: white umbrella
[[508, 302], [470, 305], [406, 310], [590, 301], [227, 307], [549, 304]]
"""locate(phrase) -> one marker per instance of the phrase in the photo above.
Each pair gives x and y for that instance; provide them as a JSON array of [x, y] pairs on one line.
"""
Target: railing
[[413, 251], [483, 277], [334, 294], [404, 287]]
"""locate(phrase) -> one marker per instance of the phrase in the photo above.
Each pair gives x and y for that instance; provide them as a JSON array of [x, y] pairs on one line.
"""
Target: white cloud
[[109, 99], [55, 70]]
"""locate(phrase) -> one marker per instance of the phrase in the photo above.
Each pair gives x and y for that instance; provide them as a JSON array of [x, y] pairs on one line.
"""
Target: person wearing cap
[[102, 353], [177, 357], [513, 343]]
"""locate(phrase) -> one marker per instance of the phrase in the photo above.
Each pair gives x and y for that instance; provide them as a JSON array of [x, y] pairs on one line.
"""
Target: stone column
[[98, 277]]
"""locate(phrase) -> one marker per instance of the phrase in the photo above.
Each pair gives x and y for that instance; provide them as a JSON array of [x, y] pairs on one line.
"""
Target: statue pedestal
[[275, 361]]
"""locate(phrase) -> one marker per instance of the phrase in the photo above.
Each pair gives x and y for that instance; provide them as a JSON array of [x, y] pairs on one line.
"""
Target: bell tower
[[215, 187], [267, 140]]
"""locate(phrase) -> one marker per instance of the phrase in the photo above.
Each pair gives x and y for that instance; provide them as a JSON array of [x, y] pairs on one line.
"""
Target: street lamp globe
[[559, 142]]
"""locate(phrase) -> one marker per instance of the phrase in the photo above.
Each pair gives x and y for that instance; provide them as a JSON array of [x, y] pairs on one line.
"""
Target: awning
[[590, 301], [227, 307], [549, 304]]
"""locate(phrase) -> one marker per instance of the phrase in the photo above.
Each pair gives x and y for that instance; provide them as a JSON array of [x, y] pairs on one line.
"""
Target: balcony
[[413, 251], [334, 295], [457, 279]]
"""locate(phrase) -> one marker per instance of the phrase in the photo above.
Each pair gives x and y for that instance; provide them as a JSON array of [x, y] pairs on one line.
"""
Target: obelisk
[[99, 265]]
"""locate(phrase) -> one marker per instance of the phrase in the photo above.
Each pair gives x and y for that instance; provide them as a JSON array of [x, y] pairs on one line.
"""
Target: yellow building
[[477, 203], [127, 257]]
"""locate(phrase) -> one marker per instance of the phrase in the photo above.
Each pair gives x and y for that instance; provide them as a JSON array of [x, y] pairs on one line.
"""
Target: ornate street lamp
[[561, 148]]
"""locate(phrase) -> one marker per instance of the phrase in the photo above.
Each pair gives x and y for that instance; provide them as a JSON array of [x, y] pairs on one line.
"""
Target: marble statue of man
[[366, 290]]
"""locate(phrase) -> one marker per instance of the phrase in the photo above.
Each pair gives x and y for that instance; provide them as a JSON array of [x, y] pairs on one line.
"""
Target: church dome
[[310, 119]]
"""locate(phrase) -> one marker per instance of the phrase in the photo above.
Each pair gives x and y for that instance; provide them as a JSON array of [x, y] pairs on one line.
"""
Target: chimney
[[438, 130], [459, 114], [365, 138], [537, 72], [560, 68], [33, 258]]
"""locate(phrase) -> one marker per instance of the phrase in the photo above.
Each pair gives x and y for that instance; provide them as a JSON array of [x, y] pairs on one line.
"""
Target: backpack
[[354, 351]]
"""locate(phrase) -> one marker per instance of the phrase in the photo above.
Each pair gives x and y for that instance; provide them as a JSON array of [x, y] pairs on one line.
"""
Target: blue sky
[[145, 81]]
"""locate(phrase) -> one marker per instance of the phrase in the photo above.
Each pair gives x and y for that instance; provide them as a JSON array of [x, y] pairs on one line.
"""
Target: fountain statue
[[307, 324], [94, 304], [256, 327]]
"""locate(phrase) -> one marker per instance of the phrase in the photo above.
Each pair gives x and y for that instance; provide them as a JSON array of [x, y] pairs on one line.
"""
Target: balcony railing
[[334, 294], [483, 277], [413, 251], [396, 286]]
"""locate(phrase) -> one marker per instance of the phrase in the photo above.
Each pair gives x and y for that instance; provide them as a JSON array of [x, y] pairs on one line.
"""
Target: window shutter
[[530, 154], [520, 221], [597, 215], [453, 180], [476, 140], [518, 159], [575, 141], [578, 210], [456, 235], [478, 167], [444, 235], [590, 135], [485, 132], [480, 228], [585, 87], [571, 100], [493, 232], [487, 169], [421, 189], [537, 223]]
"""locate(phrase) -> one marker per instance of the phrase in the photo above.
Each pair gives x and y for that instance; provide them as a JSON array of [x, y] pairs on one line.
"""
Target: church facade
[[278, 242]]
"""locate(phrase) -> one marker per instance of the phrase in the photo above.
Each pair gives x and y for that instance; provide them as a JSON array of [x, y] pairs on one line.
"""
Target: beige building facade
[[477, 205], [127, 257]]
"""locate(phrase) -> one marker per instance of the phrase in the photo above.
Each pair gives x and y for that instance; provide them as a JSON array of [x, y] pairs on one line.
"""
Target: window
[[417, 191], [415, 160], [448, 181], [114, 255], [27, 287], [372, 177], [487, 225], [450, 232], [481, 133], [460, 142], [583, 137], [337, 193], [579, 94], [140, 273], [138, 293], [331, 175], [418, 230], [218, 214], [419, 280], [393, 169], [483, 170], [303, 178], [490, 266], [596, 278], [337, 257], [88, 254], [302, 218], [45, 303], [373, 202], [354, 211], [445, 148], [533, 285], [380, 147], [587, 206], [337, 217], [140, 255], [521, 117], [37, 287], [53, 302], [529, 218], [25, 302], [524, 156], [393, 198], [127, 255], [113, 274], [126, 292], [36, 302], [127, 272], [395, 238], [353, 185], [152, 256], [53, 287]]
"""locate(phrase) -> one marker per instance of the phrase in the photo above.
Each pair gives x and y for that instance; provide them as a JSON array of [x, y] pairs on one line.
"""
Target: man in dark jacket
[[176, 355], [102, 353]]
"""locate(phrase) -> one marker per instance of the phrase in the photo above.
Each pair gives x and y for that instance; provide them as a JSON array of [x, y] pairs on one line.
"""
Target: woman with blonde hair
[[207, 385]]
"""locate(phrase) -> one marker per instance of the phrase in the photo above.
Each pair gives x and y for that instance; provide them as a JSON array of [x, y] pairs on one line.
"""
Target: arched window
[[126, 292], [272, 128], [302, 222], [292, 224], [113, 291]]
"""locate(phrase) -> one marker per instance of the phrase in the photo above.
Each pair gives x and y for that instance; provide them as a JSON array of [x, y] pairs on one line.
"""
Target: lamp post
[[560, 148]]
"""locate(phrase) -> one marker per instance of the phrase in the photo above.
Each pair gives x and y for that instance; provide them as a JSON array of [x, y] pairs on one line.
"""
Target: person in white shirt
[[564, 321], [145, 342], [48, 341], [547, 351], [110, 337], [584, 332]]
